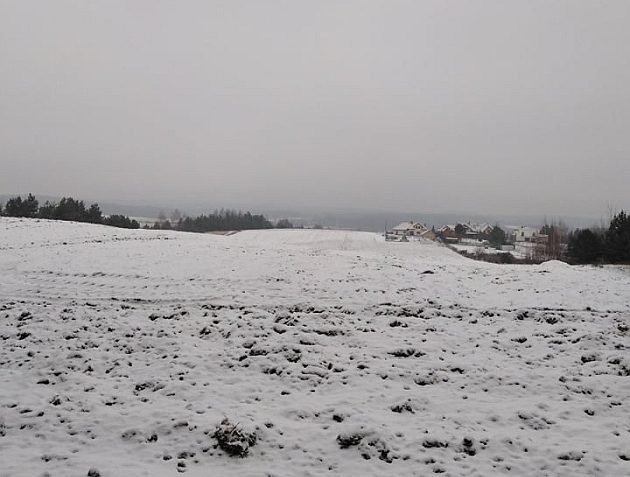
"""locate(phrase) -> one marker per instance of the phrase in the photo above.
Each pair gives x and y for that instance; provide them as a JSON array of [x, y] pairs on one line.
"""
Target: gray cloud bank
[[493, 106]]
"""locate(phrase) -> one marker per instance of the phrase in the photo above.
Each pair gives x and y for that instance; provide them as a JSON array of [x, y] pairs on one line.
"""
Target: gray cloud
[[493, 106]]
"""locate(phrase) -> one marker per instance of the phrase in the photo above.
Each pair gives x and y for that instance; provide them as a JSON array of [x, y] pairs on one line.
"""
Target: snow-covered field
[[121, 351]]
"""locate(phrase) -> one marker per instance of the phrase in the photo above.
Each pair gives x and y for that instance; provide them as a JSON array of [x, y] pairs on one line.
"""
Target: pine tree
[[13, 207], [585, 246], [94, 214], [30, 206], [617, 240], [497, 236]]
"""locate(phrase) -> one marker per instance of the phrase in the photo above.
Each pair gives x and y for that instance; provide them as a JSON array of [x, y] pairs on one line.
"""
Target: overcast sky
[[488, 106]]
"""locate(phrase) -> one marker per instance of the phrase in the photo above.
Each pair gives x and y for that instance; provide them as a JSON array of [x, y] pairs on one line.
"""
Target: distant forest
[[217, 221], [75, 210]]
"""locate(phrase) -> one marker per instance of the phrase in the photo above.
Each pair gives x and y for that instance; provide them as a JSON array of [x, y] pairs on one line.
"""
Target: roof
[[410, 226], [404, 226], [475, 228]]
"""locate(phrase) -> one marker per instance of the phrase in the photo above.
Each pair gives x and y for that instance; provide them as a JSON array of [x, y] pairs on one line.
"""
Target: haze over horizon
[[435, 106]]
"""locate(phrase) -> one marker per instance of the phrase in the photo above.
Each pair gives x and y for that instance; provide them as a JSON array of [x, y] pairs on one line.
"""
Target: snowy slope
[[122, 351]]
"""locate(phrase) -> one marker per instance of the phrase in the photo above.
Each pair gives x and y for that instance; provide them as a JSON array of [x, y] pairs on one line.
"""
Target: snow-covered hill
[[121, 351]]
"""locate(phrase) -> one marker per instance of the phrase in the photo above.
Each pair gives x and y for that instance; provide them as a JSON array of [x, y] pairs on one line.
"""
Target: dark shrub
[[585, 246], [121, 221], [16, 207]]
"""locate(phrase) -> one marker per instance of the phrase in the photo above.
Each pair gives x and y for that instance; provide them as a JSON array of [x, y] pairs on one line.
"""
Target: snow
[[554, 265], [521, 250], [123, 351]]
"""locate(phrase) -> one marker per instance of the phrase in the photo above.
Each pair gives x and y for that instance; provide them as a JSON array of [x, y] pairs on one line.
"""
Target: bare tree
[[176, 215], [553, 240]]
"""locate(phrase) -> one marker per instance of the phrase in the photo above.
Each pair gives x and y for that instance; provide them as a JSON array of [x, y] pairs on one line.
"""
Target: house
[[477, 230], [485, 229], [414, 229], [447, 231], [404, 228], [470, 232], [525, 234], [429, 234], [447, 234], [410, 229]]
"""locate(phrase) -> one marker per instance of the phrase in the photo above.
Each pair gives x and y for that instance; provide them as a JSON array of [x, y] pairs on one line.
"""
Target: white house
[[413, 229], [525, 234], [408, 228]]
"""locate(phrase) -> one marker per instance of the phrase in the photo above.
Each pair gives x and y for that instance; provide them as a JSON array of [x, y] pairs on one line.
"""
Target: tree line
[[597, 245], [220, 220], [67, 209], [70, 209]]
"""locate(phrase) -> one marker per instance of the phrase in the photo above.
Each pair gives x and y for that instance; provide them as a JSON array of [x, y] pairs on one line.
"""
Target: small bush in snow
[[233, 439]]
